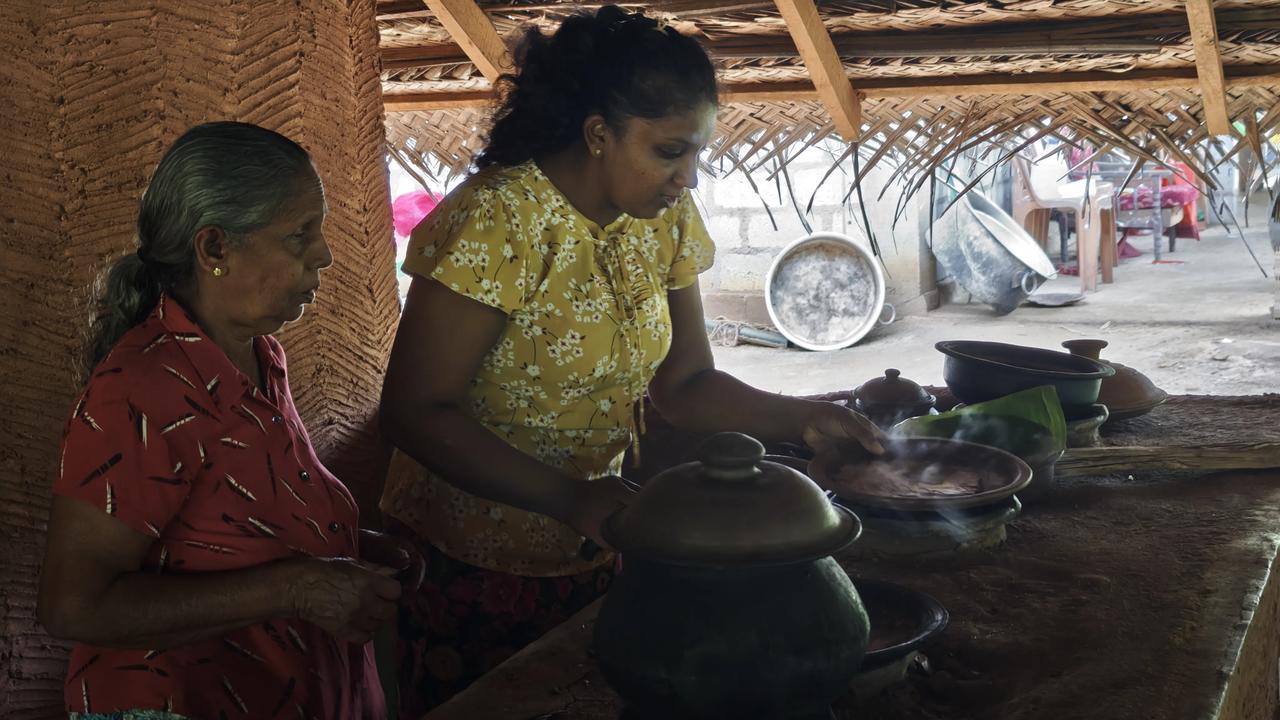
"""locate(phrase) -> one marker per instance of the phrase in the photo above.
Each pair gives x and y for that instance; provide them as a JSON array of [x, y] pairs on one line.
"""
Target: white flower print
[[561, 382]]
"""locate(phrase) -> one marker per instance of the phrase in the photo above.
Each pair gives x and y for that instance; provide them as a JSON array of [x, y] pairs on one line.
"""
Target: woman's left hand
[[835, 432], [391, 551]]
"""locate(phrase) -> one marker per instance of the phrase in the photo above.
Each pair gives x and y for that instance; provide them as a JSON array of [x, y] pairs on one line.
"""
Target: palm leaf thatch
[[910, 43]]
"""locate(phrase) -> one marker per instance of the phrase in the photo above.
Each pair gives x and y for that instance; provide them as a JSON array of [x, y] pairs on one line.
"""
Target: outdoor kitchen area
[[672, 360]]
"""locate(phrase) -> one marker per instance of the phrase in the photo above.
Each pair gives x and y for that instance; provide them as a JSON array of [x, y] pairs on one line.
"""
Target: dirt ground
[[1201, 325]]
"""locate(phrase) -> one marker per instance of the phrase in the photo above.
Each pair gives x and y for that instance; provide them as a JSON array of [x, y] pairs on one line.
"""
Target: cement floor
[[1200, 326]]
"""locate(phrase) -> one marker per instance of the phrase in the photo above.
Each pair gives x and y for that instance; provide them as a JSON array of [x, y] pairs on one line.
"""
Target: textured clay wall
[[90, 95]]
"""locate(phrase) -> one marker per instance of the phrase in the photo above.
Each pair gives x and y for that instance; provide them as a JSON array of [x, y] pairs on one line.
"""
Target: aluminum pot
[[990, 255], [826, 292]]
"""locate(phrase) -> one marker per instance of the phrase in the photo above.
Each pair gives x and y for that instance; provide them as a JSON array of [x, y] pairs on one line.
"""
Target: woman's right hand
[[346, 598], [595, 500]]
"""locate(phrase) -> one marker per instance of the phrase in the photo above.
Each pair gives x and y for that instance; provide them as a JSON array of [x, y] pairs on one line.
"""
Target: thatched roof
[[934, 77]]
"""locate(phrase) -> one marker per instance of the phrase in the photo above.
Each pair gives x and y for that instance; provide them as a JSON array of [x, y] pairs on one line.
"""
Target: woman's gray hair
[[232, 175]]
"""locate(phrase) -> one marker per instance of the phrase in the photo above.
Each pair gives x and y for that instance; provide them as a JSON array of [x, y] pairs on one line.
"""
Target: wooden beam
[[870, 48], [1096, 461], [402, 9], [471, 29], [825, 69], [451, 100], [422, 56], [1028, 84], [1032, 83], [1074, 37], [1213, 85]]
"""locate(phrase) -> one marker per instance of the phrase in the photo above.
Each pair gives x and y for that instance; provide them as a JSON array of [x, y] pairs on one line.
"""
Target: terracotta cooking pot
[[728, 603]]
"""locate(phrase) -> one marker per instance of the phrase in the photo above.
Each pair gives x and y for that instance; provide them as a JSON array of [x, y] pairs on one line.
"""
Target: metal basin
[[990, 255], [825, 292]]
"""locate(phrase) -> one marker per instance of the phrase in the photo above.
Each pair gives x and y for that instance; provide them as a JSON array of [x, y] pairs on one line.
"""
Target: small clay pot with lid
[[889, 400], [728, 603]]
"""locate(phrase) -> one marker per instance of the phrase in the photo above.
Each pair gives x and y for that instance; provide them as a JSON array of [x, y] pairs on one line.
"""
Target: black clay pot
[[773, 642], [979, 371], [728, 604]]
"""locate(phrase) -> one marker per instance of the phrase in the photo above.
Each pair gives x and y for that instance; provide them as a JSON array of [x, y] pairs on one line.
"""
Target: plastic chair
[[1037, 192]]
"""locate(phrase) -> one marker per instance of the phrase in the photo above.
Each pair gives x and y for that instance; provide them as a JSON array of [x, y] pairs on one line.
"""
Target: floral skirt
[[465, 620]]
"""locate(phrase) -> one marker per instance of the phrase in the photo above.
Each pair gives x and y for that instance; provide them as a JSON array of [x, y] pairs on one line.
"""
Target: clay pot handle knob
[[893, 373], [1085, 348], [731, 456]]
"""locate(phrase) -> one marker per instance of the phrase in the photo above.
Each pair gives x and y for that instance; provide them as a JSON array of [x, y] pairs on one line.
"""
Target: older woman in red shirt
[[201, 557]]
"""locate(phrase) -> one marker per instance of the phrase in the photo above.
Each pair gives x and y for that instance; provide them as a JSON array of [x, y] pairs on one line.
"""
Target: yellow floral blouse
[[588, 325]]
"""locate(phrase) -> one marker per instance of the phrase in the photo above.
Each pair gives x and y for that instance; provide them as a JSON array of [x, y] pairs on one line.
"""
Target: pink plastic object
[[409, 209], [1171, 196]]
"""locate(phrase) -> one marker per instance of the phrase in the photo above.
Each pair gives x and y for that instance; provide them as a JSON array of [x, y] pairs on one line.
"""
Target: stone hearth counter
[[1113, 598]]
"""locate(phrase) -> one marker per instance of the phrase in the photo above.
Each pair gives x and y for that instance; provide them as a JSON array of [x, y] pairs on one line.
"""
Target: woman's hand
[[592, 502], [393, 552], [835, 433], [346, 598]]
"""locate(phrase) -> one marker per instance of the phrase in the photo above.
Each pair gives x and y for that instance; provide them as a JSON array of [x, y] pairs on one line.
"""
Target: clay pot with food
[[728, 603]]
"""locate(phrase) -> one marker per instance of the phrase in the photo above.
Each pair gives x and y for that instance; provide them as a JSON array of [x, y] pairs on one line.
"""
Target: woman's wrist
[[559, 498], [294, 574]]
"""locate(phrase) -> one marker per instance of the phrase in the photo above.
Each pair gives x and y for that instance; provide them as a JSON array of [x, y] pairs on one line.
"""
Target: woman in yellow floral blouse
[[550, 291]]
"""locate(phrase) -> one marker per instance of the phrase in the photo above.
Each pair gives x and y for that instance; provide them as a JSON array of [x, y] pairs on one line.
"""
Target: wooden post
[[819, 55], [1213, 86]]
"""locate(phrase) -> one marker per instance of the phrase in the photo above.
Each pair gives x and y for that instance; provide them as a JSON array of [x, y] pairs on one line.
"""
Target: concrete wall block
[[735, 192], [743, 273], [749, 243], [760, 232], [725, 228], [709, 281], [827, 193]]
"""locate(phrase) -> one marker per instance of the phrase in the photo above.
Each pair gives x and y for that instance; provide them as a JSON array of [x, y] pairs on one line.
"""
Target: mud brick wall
[[90, 95]]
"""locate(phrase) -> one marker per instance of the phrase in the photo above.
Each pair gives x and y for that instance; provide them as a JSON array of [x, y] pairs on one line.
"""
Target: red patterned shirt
[[172, 440]]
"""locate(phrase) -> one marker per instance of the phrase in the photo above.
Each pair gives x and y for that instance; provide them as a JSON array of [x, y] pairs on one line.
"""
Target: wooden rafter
[[1070, 37], [827, 72], [781, 47], [401, 9], [1023, 84], [1213, 85], [472, 30]]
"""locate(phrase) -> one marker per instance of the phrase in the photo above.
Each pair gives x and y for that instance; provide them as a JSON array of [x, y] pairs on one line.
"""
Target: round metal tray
[[825, 292]]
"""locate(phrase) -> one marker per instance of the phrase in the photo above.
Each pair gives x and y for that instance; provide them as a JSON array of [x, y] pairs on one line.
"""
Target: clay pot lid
[[892, 392], [731, 508]]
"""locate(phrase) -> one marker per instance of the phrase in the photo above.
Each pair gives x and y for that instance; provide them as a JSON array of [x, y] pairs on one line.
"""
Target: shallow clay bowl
[[902, 619], [924, 474]]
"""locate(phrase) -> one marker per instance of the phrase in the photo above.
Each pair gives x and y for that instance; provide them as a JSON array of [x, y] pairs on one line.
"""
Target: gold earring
[[597, 152], [217, 272]]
